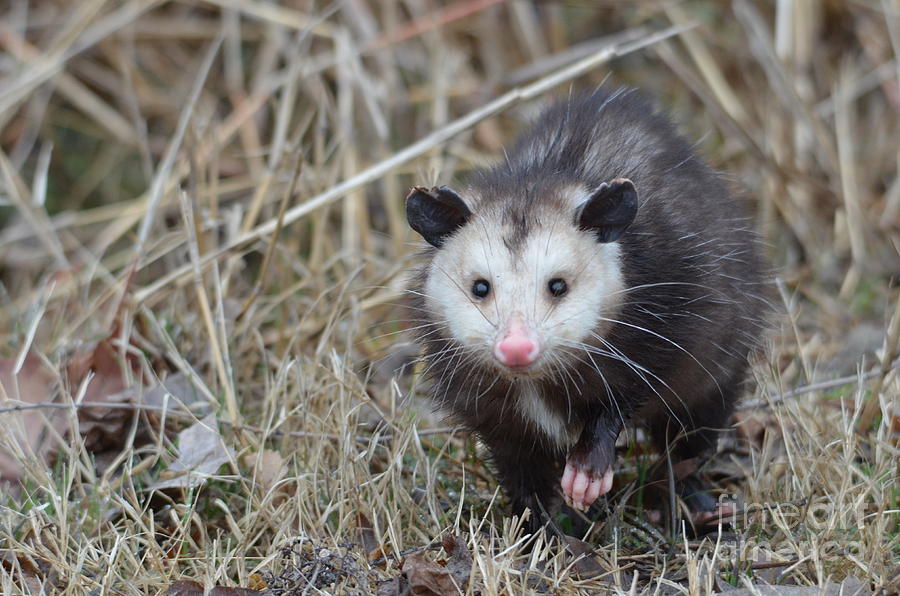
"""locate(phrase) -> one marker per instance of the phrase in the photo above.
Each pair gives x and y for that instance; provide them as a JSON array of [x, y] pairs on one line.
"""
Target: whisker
[[634, 365], [639, 370], [667, 340], [596, 368]]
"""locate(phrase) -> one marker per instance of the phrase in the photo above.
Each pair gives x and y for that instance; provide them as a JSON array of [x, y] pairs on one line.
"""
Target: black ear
[[610, 210], [435, 213]]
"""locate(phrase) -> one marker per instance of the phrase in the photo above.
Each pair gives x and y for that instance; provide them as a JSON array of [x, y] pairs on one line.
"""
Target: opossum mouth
[[531, 370]]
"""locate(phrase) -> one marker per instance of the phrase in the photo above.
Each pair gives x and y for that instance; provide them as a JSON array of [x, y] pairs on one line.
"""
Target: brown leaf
[[176, 392], [460, 563], [434, 579], [381, 555], [586, 564], [36, 576], [269, 467], [201, 452], [103, 428], [428, 578], [367, 537], [34, 432], [39, 430]]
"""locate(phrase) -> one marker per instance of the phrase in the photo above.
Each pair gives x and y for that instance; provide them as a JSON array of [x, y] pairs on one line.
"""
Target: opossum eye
[[481, 288], [557, 287]]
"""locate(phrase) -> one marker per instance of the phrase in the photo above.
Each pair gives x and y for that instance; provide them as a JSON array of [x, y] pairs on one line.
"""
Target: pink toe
[[606, 481], [566, 482], [578, 488], [593, 491]]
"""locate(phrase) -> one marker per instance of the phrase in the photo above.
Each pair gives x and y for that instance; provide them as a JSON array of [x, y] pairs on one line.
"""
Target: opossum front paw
[[588, 472], [582, 486]]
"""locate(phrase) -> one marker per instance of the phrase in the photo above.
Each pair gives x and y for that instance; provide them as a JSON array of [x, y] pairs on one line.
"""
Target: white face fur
[[519, 288]]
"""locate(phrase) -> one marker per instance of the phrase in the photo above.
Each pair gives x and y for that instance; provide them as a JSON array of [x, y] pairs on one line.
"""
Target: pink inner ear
[[519, 347]]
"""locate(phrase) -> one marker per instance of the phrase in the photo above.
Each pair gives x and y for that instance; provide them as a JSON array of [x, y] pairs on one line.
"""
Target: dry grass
[[213, 191]]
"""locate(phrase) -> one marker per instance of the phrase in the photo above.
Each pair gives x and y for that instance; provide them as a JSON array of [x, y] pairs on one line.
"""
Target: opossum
[[600, 275]]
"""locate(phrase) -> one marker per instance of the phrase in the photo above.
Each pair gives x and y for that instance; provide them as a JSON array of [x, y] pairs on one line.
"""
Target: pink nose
[[517, 348], [517, 351]]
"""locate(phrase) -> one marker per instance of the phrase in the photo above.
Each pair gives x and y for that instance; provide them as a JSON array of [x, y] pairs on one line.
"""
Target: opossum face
[[524, 293]]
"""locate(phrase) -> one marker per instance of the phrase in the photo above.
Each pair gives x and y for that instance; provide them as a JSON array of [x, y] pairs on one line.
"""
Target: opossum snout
[[519, 346]]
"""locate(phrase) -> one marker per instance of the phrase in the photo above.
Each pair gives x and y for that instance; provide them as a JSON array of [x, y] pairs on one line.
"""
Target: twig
[[96, 404], [776, 398]]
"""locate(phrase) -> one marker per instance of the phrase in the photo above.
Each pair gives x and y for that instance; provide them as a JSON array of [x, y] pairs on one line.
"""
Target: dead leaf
[[189, 587], [36, 576], [367, 537], [201, 452], [460, 563], [586, 564], [34, 431], [428, 578], [271, 468], [102, 428], [176, 392]]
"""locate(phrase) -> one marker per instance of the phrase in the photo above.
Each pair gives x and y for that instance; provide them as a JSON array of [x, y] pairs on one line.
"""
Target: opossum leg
[[687, 443], [588, 473], [528, 476]]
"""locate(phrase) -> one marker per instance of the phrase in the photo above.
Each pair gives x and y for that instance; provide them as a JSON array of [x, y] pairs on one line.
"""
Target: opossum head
[[524, 286]]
